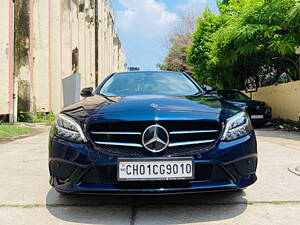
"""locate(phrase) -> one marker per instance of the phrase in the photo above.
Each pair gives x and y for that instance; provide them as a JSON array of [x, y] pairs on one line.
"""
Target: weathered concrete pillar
[[66, 38], [82, 47], [110, 44], [106, 42], [5, 57], [116, 53], [12, 96], [41, 58], [92, 53], [101, 41], [31, 57], [87, 55], [74, 25], [55, 56], [123, 63]]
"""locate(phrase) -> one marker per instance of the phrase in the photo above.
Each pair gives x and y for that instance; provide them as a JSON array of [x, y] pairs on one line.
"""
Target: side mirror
[[86, 92], [208, 89]]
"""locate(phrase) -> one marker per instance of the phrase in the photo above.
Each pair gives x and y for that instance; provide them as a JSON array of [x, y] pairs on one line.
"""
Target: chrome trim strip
[[190, 143], [194, 131], [117, 133], [119, 144]]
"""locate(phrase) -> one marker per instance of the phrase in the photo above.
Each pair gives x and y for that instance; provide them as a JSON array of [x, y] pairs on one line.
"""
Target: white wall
[[4, 56]]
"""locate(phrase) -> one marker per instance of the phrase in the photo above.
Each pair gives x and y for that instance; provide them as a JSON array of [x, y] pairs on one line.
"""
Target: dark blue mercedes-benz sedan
[[151, 133]]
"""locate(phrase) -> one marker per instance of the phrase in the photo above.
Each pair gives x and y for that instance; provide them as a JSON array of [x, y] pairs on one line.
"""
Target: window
[[149, 83], [233, 95]]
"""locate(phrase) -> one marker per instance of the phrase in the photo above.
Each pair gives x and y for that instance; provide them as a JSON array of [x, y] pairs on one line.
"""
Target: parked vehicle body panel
[[151, 144], [258, 111]]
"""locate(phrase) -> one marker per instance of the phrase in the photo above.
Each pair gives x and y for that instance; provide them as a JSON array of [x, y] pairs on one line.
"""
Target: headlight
[[237, 126], [67, 128], [268, 110]]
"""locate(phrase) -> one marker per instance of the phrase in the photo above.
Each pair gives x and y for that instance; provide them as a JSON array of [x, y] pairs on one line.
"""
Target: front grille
[[125, 139], [256, 110], [123, 151], [108, 175]]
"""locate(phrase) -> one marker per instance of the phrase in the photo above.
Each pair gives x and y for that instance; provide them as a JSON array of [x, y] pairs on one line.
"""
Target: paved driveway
[[26, 197]]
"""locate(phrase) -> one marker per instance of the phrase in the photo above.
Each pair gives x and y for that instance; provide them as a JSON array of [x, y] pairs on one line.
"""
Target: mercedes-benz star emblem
[[155, 138]]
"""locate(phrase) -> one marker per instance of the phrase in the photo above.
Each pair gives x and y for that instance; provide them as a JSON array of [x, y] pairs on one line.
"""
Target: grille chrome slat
[[116, 133], [119, 144], [194, 131], [175, 144]]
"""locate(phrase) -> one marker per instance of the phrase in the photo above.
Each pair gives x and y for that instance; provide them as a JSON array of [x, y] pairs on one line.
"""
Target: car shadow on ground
[[172, 209]]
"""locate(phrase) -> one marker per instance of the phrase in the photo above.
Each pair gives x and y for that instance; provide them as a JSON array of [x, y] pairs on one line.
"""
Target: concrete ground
[[27, 198]]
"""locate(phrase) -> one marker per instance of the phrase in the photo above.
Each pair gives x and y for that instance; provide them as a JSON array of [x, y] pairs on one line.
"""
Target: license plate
[[257, 116], [155, 169]]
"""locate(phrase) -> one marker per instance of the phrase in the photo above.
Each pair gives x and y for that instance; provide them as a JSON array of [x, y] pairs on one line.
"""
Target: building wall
[[6, 57], [4, 69], [283, 98], [55, 91], [57, 30], [41, 58]]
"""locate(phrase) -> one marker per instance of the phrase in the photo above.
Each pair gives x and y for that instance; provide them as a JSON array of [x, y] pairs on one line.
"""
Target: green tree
[[253, 40], [294, 14], [199, 54]]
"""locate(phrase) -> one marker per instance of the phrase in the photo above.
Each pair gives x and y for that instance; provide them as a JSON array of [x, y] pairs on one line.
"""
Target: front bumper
[[78, 168], [265, 112]]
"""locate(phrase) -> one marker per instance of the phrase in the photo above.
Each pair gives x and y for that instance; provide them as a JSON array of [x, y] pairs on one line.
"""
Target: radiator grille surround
[[125, 139]]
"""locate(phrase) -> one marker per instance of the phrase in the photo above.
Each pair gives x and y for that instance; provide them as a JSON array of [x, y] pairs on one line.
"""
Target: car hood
[[151, 106]]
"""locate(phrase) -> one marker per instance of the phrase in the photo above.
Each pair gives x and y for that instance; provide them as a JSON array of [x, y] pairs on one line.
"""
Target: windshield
[[148, 83], [233, 95]]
